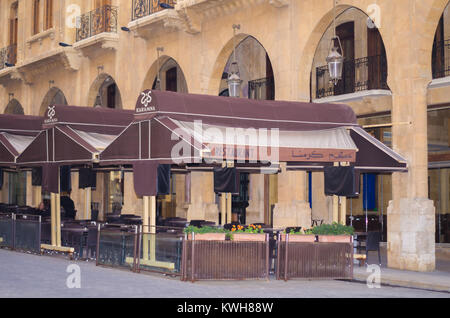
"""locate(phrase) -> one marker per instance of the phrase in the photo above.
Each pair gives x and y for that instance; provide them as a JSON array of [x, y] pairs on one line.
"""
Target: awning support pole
[[58, 212], [53, 217], [145, 226], [223, 208], [87, 203], [335, 203]]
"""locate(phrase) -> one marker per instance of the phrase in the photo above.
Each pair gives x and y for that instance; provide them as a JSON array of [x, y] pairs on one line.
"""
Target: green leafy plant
[[333, 229], [203, 230], [301, 232]]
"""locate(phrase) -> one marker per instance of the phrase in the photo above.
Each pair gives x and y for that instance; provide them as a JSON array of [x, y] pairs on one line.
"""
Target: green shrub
[[333, 229], [203, 230]]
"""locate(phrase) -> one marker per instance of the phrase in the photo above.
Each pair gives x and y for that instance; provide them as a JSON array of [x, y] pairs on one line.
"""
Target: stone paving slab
[[436, 281]]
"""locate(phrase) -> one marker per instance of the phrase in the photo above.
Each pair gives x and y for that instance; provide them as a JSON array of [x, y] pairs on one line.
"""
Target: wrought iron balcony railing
[[142, 8], [441, 59], [262, 89], [357, 75], [103, 19], [8, 55]]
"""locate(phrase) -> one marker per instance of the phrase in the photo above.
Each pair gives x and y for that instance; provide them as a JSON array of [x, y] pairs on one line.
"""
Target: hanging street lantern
[[335, 62], [234, 81]]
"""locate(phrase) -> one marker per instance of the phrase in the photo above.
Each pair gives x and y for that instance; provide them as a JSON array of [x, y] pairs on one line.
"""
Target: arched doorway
[[255, 70], [14, 108], [256, 73], [438, 127], [365, 73], [15, 182], [365, 63], [53, 97], [170, 73], [104, 92]]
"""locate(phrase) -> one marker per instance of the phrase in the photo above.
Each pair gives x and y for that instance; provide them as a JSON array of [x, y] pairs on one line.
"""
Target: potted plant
[[336, 233], [250, 233], [205, 233], [306, 236]]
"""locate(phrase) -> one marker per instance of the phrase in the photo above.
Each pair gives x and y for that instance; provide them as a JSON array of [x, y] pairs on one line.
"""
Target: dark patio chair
[[91, 242], [373, 244], [293, 229]]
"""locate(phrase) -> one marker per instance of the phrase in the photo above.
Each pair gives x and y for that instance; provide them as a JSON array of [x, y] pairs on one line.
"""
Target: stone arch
[[54, 96], [372, 67], [14, 107], [101, 92], [165, 64], [216, 82], [255, 70]]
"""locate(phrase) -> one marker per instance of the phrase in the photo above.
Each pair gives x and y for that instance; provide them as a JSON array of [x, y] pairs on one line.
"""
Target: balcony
[[149, 16], [143, 8], [262, 89], [98, 27], [8, 55], [359, 75]]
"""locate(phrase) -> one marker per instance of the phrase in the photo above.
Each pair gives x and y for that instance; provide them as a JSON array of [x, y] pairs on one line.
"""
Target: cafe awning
[[166, 122], [74, 135], [16, 134]]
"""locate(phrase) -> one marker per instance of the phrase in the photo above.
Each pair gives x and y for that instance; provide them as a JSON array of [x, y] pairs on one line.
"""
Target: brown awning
[[163, 115], [16, 133], [74, 135]]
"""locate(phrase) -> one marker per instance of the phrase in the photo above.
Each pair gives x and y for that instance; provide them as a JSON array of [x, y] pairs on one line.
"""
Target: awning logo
[[51, 112], [146, 98], [143, 105]]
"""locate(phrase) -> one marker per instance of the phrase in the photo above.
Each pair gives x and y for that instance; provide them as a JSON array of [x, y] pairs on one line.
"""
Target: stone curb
[[405, 283]]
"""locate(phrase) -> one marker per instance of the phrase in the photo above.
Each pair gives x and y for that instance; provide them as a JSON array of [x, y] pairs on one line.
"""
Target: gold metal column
[[87, 203]]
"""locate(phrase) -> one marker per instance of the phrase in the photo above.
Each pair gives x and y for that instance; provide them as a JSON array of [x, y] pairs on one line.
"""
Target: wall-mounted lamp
[[125, 29], [9, 64], [64, 44], [234, 80], [11, 96]]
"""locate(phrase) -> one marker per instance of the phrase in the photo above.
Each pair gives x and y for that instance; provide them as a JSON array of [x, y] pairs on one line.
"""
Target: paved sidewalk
[[438, 280], [30, 276]]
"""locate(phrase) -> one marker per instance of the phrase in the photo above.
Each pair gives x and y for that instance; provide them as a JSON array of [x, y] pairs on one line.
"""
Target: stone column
[[5, 188], [29, 190], [255, 210], [203, 206], [77, 195], [321, 204], [132, 203], [410, 215], [292, 208], [180, 188]]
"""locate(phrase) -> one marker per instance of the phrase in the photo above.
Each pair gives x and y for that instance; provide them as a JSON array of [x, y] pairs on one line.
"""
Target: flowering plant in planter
[[249, 233], [252, 229]]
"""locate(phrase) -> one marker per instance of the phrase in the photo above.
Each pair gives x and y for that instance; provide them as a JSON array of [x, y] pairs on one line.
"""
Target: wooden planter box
[[208, 237], [299, 238], [248, 237], [335, 238]]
